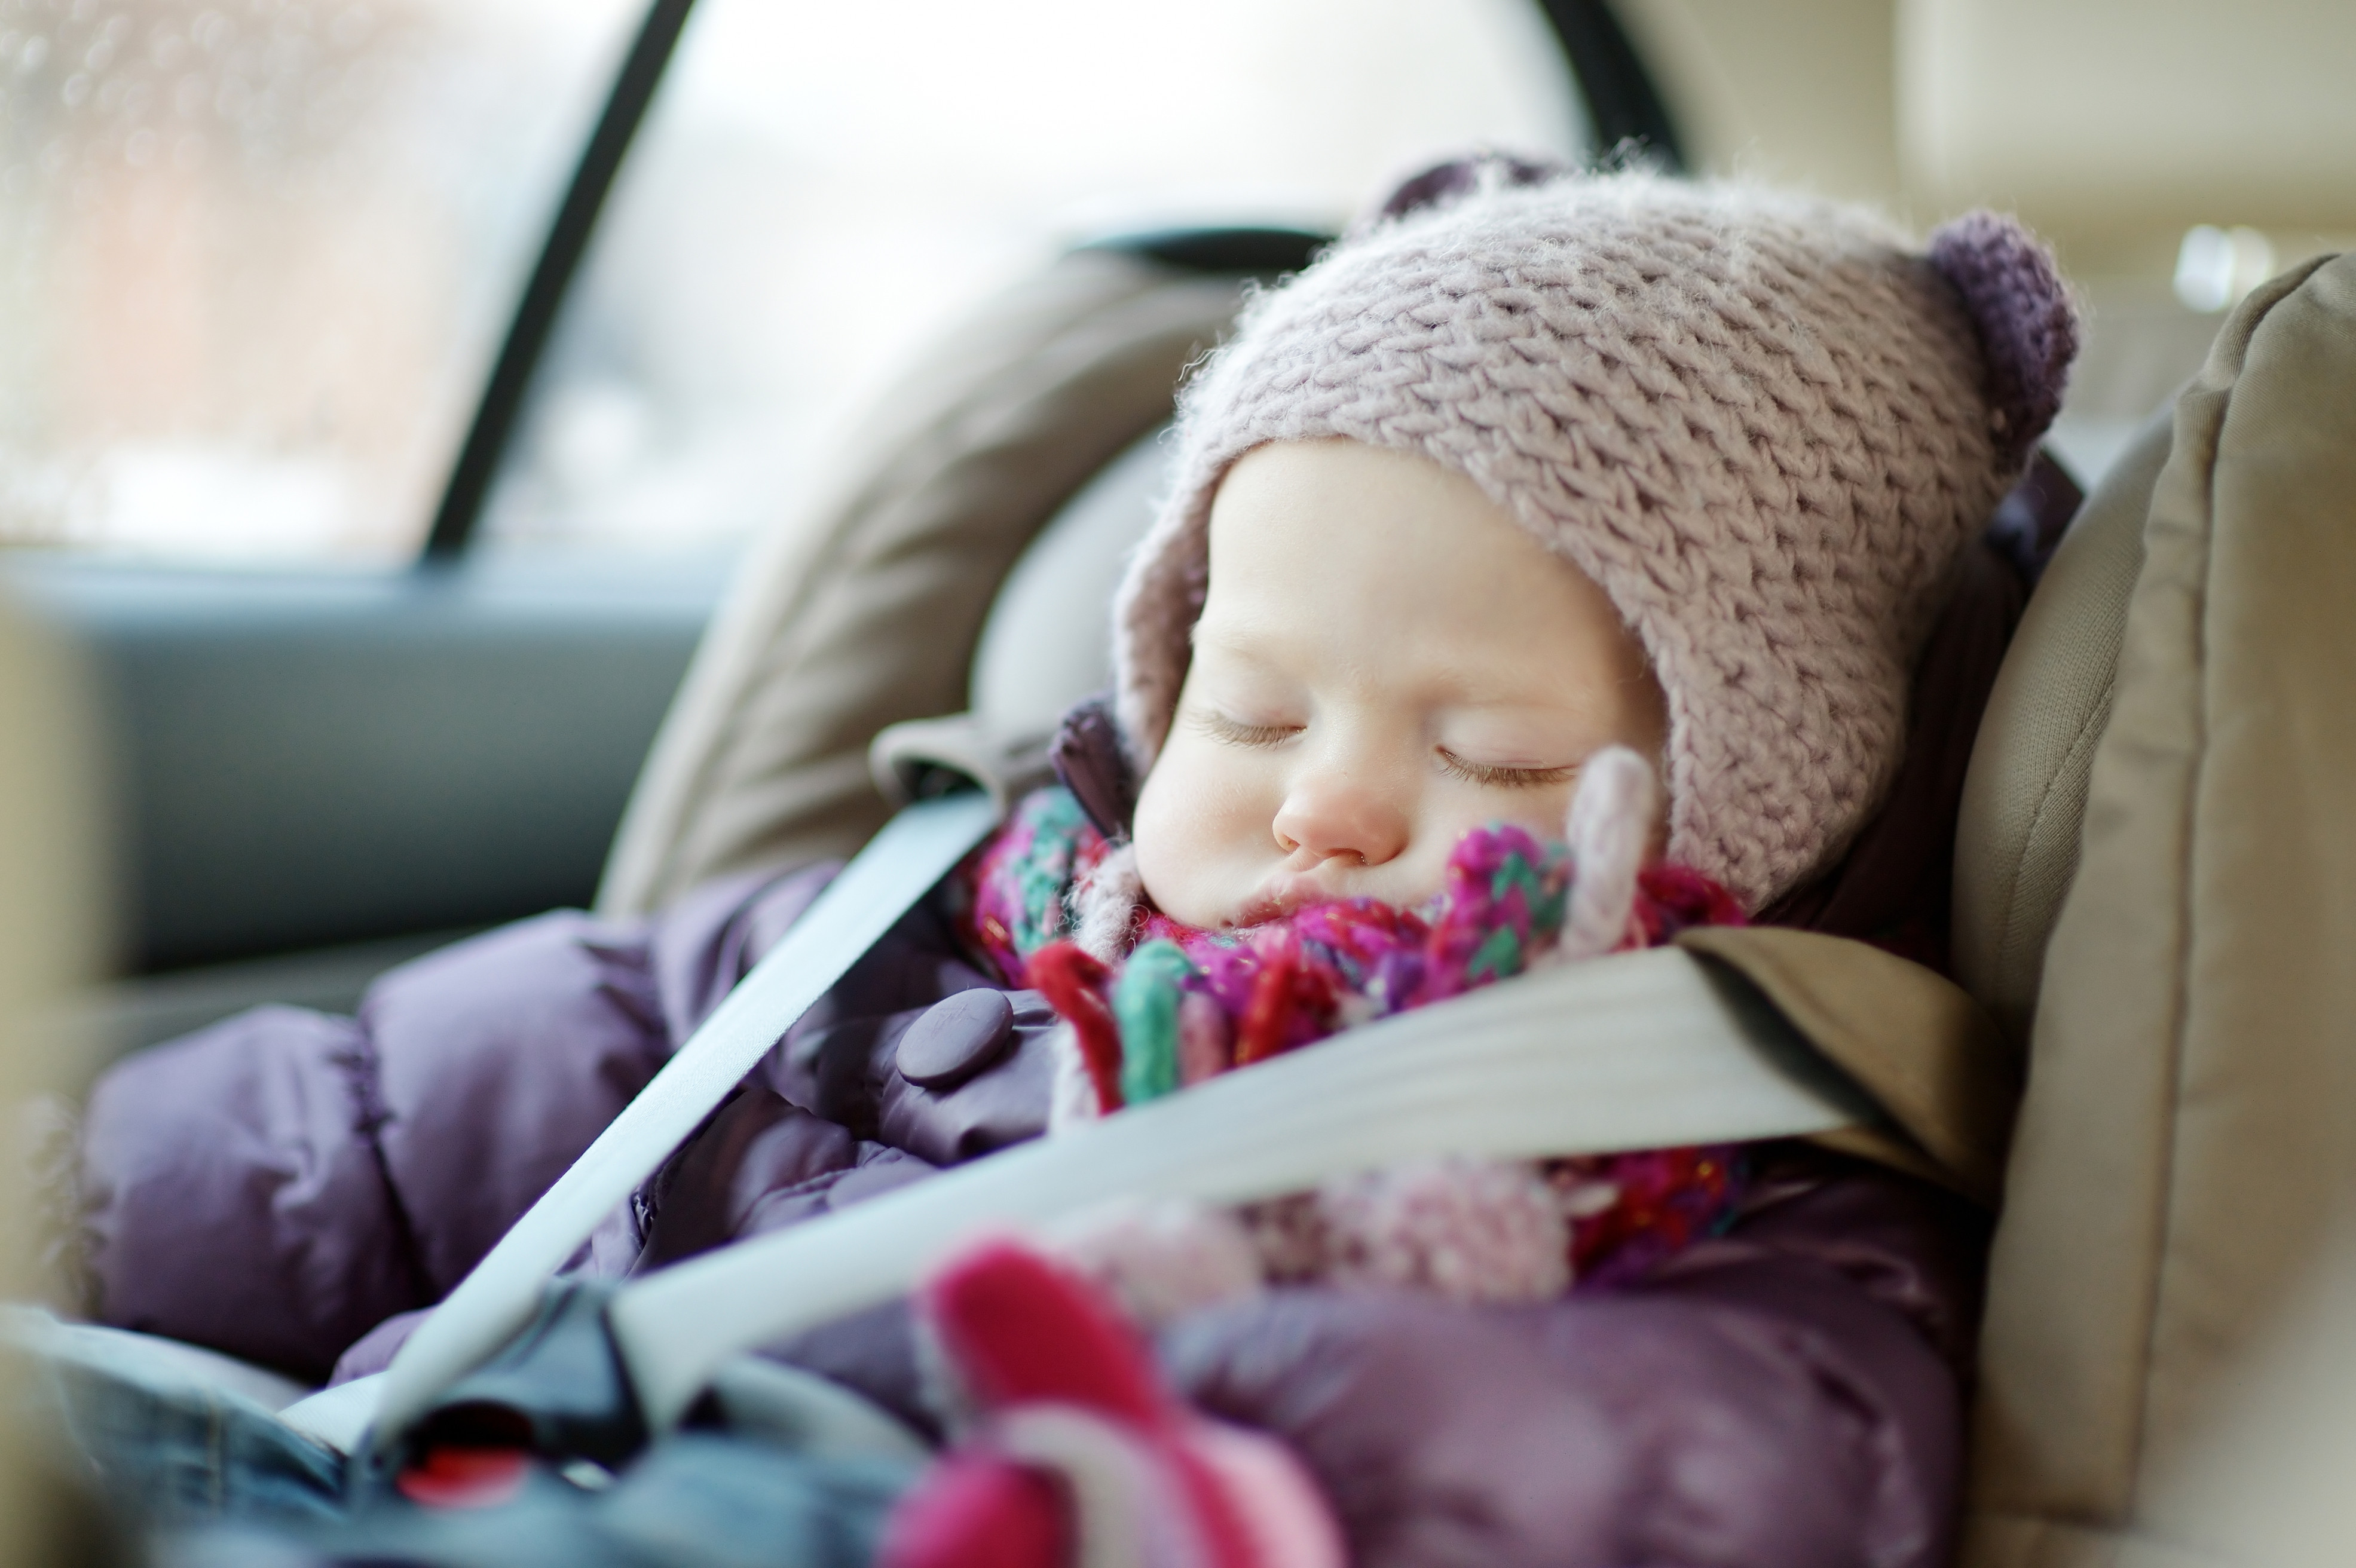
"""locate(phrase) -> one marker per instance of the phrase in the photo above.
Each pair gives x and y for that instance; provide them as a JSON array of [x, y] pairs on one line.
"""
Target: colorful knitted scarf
[[1186, 1004]]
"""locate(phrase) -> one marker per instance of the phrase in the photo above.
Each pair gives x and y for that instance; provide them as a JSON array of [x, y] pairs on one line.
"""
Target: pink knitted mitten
[[1073, 1454]]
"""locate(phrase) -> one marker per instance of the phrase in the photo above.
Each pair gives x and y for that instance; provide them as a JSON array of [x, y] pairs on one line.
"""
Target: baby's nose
[[1332, 816]]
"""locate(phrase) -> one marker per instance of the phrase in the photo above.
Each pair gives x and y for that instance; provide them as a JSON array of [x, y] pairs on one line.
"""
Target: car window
[[256, 255], [818, 188]]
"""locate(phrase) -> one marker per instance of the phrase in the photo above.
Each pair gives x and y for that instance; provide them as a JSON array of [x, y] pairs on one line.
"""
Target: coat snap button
[[956, 1039]]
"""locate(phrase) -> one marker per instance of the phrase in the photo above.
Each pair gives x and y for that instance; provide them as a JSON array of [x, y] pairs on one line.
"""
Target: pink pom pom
[[1161, 1259], [1473, 1230]]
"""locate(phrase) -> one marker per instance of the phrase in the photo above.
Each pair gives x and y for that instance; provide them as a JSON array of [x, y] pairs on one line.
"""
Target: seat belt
[[1650, 1049], [914, 850]]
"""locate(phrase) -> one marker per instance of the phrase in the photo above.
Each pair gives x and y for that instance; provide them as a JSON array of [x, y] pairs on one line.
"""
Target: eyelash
[[1502, 778], [1219, 727]]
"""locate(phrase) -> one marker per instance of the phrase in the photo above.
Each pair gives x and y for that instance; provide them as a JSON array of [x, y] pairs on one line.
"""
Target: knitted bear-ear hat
[[1765, 423]]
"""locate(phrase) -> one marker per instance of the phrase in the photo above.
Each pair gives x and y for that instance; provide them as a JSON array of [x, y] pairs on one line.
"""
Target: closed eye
[[1221, 728], [1494, 777]]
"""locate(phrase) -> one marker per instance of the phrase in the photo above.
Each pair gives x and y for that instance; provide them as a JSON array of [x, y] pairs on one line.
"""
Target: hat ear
[[2027, 322], [1445, 183]]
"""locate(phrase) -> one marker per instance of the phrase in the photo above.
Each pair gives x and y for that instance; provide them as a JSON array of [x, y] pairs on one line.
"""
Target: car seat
[[2167, 971], [2165, 780]]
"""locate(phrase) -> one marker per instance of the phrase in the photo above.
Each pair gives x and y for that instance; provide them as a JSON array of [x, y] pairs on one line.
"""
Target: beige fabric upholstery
[[1036, 657], [53, 881], [2017, 837], [2190, 1127], [1912, 1039], [863, 611]]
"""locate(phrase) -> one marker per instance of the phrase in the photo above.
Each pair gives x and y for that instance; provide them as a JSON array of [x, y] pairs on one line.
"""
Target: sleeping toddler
[[1548, 568], [1497, 508]]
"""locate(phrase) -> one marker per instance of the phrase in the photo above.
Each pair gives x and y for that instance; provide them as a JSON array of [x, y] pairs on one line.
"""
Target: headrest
[[1048, 641], [2025, 795]]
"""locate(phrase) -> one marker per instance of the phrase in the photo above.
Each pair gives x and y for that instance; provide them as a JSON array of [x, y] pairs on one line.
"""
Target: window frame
[[1625, 112]]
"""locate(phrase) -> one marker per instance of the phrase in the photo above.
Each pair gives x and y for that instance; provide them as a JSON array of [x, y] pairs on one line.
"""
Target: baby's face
[[1384, 662]]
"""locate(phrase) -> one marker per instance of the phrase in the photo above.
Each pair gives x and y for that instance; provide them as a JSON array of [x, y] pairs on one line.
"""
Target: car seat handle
[[924, 757]]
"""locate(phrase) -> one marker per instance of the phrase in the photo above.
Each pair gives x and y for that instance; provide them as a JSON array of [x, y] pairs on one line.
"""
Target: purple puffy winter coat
[[281, 1184]]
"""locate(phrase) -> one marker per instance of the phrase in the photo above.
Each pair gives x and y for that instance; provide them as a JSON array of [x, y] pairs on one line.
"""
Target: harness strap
[[899, 866], [1648, 1049], [1643, 1050]]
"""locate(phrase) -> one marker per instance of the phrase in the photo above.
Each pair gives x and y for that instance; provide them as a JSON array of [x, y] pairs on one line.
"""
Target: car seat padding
[[2188, 1131], [2025, 793], [1047, 644], [862, 609]]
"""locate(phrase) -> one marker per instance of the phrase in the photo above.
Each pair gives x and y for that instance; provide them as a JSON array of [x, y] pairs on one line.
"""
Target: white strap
[[899, 865], [1642, 1051]]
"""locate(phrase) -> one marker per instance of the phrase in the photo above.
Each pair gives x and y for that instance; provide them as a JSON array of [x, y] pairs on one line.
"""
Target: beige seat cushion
[[2189, 1132], [1048, 643], [2016, 832], [863, 610]]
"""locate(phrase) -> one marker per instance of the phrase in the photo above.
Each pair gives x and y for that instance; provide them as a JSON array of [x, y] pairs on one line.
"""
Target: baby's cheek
[[1544, 812], [1538, 812], [1197, 825]]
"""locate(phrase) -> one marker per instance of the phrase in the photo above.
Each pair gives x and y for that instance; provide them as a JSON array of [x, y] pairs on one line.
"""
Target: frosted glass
[[256, 256]]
